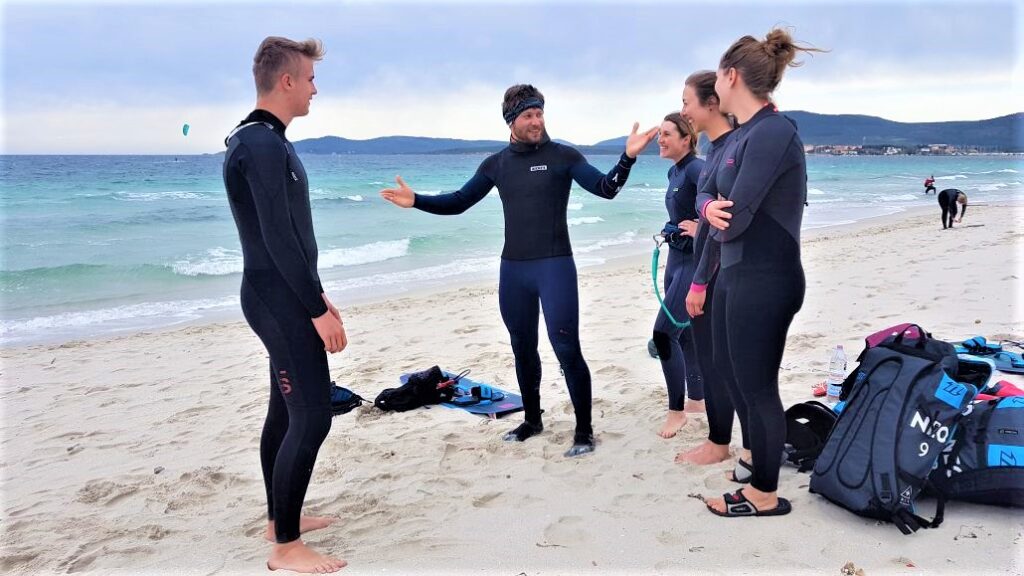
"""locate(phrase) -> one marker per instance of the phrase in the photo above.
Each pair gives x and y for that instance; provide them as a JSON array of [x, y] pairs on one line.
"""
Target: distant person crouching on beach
[[948, 200]]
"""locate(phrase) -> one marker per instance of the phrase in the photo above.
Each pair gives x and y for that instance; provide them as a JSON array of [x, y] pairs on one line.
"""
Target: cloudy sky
[[122, 77]]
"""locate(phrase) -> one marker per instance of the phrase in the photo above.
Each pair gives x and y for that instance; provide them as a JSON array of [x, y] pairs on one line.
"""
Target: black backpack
[[985, 461], [908, 338], [900, 412], [421, 389], [808, 425]]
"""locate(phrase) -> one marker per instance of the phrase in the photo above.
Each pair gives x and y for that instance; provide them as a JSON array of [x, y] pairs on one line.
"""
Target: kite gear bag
[[901, 410]]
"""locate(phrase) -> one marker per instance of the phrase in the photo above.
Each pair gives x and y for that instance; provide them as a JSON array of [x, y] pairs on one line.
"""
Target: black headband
[[532, 102]]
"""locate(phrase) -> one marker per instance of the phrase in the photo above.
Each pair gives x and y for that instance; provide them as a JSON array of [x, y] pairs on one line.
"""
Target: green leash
[[654, 277]]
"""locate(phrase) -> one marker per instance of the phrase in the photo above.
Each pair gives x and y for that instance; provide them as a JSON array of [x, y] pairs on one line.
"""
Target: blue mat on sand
[[496, 408]]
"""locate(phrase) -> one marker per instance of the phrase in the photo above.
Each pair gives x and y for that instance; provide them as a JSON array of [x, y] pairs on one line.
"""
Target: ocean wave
[[992, 187], [1007, 171], [815, 191], [355, 198], [953, 177], [78, 275], [178, 310], [575, 206], [900, 198], [416, 276], [221, 261], [217, 261], [621, 239], [365, 254], [584, 220], [155, 196]]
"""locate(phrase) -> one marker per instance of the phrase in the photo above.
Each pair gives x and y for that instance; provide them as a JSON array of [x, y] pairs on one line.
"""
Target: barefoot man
[[282, 298]]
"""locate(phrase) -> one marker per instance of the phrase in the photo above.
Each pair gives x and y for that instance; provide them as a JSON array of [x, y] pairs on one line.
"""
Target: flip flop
[[742, 472], [819, 390], [737, 506]]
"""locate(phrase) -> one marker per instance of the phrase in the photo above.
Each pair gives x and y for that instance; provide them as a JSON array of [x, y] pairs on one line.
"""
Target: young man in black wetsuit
[[533, 176], [282, 298]]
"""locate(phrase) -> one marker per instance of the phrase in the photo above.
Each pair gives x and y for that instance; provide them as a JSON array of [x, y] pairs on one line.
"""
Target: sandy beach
[[139, 454]]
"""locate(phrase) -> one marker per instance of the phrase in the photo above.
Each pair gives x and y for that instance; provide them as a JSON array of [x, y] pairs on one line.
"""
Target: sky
[[122, 77]]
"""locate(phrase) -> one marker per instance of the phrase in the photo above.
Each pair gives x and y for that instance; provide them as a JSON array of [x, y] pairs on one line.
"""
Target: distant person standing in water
[[929, 184], [948, 200]]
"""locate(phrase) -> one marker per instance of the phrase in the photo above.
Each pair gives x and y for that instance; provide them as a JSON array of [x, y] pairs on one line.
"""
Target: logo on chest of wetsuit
[[294, 177], [541, 168]]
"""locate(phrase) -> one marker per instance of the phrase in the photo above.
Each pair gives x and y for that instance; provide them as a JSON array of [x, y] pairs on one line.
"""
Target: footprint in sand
[[566, 531], [485, 500], [104, 491]]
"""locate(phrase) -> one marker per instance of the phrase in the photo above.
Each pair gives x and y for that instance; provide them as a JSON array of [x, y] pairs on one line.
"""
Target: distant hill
[[395, 145], [1005, 133]]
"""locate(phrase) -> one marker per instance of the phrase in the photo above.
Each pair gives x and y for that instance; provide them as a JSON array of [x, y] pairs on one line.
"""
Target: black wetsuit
[[947, 201], [675, 345], [760, 285], [537, 267], [281, 294], [717, 393]]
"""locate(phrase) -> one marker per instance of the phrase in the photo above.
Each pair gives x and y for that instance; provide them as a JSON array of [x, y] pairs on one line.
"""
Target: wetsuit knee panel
[[663, 342]]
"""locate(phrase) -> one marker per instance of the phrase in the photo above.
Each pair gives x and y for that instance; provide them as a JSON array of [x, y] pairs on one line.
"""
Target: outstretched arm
[[444, 204], [609, 185]]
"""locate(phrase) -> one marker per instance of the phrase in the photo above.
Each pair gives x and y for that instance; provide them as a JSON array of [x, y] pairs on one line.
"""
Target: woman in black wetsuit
[[677, 142], [762, 176], [701, 109]]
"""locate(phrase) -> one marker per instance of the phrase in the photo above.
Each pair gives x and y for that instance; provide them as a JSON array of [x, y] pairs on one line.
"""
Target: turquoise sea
[[98, 245]]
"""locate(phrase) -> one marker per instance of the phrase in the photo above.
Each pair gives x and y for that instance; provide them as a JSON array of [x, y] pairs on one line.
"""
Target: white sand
[[86, 425]]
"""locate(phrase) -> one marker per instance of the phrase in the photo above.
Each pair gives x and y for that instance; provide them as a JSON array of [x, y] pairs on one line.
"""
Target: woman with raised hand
[[762, 178]]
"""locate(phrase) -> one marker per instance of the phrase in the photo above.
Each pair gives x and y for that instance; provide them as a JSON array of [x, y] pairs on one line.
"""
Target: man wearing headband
[[533, 176]]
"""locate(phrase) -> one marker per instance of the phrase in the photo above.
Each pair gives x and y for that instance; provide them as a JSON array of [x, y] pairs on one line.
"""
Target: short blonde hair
[[277, 55]]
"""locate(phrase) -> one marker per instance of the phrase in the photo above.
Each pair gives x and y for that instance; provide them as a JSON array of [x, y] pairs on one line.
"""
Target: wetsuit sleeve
[[707, 193], [265, 174], [459, 201], [708, 260], [766, 157], [593, 181]]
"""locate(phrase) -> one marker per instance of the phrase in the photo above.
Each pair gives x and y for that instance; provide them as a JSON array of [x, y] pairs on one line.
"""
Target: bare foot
[[704, 454], [694, 407], [306, 524], [298, 557], [674, 421], [763, 501]]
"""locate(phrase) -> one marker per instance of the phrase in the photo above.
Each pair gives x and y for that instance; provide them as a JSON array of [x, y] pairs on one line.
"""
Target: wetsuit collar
[[523, 147], [765, 111], [686, 159], [260, 115], [721, 139]]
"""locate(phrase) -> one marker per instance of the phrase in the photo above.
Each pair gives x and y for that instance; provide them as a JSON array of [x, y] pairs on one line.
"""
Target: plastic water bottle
[[836, 375]]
